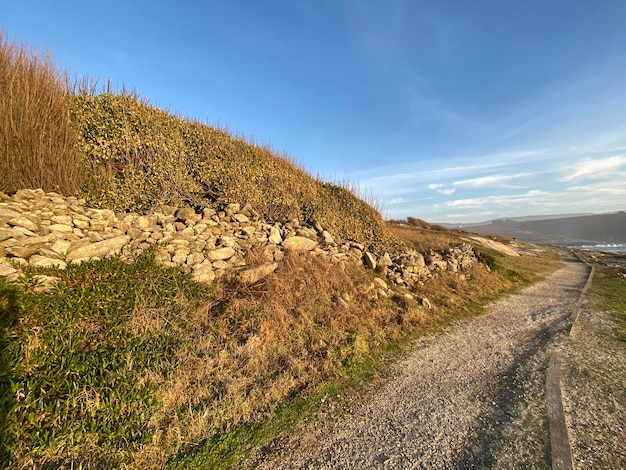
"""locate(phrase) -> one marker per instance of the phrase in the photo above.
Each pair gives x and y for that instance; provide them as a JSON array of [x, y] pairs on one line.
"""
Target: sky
[[448, 111]]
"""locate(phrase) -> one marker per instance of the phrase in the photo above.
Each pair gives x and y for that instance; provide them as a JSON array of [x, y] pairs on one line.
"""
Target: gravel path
[[472, 396]]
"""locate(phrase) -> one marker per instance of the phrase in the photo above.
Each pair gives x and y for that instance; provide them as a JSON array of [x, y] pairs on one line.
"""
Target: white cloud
[[593, 169]]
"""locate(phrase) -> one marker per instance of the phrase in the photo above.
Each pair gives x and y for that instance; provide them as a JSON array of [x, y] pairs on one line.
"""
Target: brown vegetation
[[38, 140]]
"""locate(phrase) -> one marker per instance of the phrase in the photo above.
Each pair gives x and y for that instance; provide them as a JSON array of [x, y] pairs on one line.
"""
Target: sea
[[609, 247]]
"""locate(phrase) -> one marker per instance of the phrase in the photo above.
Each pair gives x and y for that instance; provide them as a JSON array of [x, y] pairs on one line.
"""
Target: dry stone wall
[[45, 230]]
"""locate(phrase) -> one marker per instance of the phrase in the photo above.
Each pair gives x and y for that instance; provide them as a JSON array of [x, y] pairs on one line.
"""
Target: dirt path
[[470, 397]]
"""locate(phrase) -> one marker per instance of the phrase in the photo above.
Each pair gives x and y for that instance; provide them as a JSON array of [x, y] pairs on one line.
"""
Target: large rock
[[100, 250], [203, 272], [23, 222], [299, 243], [275, 236], [369, 260], [252, 275], [38, 261], [220, 254]]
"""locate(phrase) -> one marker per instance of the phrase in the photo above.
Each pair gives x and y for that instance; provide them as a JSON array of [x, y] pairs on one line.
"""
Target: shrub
[[38, 140]]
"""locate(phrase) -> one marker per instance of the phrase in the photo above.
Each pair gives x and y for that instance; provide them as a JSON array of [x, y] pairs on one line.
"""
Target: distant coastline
[[609, 247]]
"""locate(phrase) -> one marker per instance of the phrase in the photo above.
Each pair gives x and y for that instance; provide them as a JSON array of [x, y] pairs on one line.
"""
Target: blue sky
[[450, 111]]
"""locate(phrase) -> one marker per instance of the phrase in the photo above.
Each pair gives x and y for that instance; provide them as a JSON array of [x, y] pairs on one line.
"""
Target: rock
[[380, 283], [62, 219], [22, 251], [99, 249], [242, 219], [299, 243], [275, 236], [61, 228], [38, 261], [220, 254], [61, 246], [203, 272], [23, 222], [385, 260], [252, 275], [186, 213], [6, 270], [369, 260], [328, 238], [45, 284]]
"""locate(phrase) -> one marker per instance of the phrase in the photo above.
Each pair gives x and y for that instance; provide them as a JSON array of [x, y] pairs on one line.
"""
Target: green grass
[[608, 291], [78, 382]]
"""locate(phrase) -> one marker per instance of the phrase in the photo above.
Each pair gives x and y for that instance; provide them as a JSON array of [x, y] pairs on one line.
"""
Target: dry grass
[[257, 345], [38, 140], [422, 236]]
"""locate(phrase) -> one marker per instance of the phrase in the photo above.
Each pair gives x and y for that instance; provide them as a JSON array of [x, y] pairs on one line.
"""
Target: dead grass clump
[[38, 140]]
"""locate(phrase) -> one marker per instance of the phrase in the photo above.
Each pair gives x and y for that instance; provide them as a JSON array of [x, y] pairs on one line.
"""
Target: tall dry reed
[[38, 142]]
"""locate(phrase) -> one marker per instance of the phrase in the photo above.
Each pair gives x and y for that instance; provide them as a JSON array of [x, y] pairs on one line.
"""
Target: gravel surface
[[472, 396]]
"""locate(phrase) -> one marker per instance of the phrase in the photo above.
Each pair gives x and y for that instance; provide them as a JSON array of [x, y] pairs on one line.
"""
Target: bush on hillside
[[38, 141]]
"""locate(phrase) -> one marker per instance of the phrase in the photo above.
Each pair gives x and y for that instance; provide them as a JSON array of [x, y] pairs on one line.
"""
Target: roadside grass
[[608, 292]]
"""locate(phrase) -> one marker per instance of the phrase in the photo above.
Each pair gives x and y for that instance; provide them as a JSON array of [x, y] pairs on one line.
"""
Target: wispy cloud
[[593, 168]]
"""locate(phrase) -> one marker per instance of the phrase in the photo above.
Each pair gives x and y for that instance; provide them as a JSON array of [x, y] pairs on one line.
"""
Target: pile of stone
[[44, 230]]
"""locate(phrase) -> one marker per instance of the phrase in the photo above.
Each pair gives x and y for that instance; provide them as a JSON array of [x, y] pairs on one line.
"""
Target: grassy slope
[[137, 157], [136, 365]]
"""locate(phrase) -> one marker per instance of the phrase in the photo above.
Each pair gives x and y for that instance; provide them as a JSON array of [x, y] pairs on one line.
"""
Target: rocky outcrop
[[45, 230]]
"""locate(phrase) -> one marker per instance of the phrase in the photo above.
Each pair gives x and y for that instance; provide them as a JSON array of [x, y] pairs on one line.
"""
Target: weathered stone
[[23, 222], [252, 275], [187, 213], [369, 260], [38, 261], [9, 213], [162, 256], [145, 221], [242, 219], [5, 234], [22, 251], [62, 219], [203, 272], [61, 228], [275, 236], [194, 258], [328, 238], [298, 243], [6, 269], [380, 283], [220, 253], [99, 249], [45, 284], [231, 209], [220, 265], [385, 260], [227, 241]]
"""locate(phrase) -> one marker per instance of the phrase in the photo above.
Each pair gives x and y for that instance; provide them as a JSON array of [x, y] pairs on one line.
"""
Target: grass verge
[[608, 292]]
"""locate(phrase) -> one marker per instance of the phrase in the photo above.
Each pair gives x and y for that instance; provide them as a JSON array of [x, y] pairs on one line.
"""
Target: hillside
[[607, 228], [172, 296]]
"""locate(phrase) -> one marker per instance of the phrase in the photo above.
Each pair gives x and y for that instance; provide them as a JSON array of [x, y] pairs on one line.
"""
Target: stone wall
[[49, 230]]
